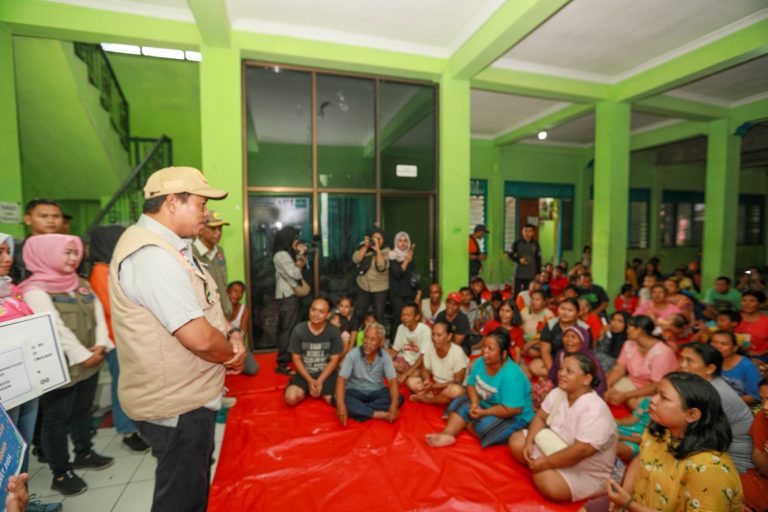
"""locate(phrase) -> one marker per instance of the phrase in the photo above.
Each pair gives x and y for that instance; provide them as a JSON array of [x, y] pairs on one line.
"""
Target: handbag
[[547, 440]]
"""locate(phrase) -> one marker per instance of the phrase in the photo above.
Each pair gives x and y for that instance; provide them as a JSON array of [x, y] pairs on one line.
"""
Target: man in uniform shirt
[[206, 248], [175, 343]]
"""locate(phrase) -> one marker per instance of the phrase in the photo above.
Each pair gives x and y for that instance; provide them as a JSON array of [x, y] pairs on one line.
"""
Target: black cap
[[481, 227]]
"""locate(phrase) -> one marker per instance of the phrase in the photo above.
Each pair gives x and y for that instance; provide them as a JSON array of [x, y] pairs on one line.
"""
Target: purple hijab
[[557, 360]]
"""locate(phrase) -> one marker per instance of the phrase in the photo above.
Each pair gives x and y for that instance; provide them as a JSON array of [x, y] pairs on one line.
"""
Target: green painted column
[[453, 215], [722, 200], [10, 155], [222, 146], [611, 182]]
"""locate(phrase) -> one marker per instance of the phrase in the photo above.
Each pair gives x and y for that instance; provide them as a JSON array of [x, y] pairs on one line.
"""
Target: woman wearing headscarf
[[609, 346], [401, 269], [576, 341], [103, 241], [288, 258], [78, 316]]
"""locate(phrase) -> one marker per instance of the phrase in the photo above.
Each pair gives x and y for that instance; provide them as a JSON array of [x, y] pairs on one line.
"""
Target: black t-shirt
[[315, 350], [460, 324], [595, 295]]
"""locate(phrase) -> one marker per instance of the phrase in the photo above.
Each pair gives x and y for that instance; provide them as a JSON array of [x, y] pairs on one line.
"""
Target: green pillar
[[10, 155], [611, 182], [453, 217], [722, 200], [222, 146]]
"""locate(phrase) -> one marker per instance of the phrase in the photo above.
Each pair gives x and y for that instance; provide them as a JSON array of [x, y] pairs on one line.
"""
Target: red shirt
[[515, 334], [622, 304], [758, 333], [557, 286]]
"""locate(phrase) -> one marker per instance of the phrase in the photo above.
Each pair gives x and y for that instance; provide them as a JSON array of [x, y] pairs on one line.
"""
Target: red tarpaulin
[[277, 458]]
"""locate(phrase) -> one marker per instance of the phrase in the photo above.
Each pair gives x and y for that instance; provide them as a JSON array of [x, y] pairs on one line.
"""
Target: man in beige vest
[[175, 343]]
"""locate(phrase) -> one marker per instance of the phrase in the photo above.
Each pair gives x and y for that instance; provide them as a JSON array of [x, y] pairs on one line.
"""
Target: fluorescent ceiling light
[[165, 53], [542, 135], [121, 48], [194, 56]]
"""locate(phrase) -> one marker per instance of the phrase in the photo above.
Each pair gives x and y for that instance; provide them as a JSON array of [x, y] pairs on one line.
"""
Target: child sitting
[[631, 429]]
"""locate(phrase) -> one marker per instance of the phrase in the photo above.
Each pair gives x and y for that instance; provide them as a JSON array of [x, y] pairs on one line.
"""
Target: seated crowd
[[657, 403], [657, 400]]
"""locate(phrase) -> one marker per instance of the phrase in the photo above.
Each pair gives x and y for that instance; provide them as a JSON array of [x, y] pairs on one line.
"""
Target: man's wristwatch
[[233, 331]]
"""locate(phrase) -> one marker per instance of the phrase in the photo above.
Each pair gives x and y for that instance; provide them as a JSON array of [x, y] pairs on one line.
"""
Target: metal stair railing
[[127, 203], [102, 76]]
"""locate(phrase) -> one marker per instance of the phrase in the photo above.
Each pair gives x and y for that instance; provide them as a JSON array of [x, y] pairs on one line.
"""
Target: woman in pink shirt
[[754, 324], [658, 309], [644, 360]]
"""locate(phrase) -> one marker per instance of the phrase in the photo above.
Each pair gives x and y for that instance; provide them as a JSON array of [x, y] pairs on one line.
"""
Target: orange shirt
[[100, 285]]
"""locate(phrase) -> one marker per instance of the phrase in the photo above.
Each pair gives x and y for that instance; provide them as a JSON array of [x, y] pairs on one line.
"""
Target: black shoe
[[284, 370], [92, 460], [38, 452], [69, 484], [135, 443]]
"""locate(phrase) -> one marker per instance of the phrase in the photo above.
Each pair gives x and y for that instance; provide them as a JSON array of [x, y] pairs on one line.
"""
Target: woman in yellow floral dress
[[683, 464]]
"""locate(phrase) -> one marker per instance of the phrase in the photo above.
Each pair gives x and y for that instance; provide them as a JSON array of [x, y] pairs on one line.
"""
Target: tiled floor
[[126, 486]]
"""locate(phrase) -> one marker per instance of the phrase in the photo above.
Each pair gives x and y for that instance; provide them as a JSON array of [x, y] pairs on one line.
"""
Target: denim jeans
[[184, 454], [123, 424], [24, 417], [67, 410]]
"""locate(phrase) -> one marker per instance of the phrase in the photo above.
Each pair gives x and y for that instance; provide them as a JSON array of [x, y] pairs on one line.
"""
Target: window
[[638, 218], [682, 219], [478, 206], [510, 222], [751, 212]]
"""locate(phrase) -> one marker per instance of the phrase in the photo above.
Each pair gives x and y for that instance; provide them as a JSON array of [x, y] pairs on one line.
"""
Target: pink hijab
[[43, 256]]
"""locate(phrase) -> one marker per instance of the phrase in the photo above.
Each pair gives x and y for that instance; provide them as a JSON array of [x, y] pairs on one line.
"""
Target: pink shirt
[[651, 367], [13, 306], [589, 421], [758, 333], [650, 309]]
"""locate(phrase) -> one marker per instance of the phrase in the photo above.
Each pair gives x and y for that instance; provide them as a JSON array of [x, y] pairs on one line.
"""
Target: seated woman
[[755, 481], [679, 299], [444, 366], [509, 320], [609, 346], [658, 309], [677, 332], [682, 464], [552, 335], [576, 341], [583, 422], [643, 361], [534, 316], [738, 371], [754, 325], [497, 403], [706, 362]]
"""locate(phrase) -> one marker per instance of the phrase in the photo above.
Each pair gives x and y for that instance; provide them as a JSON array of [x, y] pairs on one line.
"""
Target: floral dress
[[706, 481]]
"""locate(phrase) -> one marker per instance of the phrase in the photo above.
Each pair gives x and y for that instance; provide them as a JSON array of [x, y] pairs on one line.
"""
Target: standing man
[[42, 216], [476, 256], [175, 344], [526, 252], [206, 248]]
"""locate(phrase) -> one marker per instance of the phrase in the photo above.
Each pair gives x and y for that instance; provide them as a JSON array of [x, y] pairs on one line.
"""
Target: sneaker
[[135, 443], [69, 484], [35, 505], [92, 460]]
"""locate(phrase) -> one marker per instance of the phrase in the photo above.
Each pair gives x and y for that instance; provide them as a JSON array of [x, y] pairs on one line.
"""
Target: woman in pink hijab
[[56, 288]]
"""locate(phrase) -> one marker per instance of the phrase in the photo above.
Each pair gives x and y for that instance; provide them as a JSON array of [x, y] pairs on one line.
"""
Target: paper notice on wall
[[10, 213], [32, 361], [533, 221]]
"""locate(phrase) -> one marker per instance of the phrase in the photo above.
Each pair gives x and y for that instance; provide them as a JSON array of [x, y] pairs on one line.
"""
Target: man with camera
[[372, 277]]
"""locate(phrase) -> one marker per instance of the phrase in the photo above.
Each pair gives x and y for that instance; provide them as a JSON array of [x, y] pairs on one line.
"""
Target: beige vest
[[159, 377]]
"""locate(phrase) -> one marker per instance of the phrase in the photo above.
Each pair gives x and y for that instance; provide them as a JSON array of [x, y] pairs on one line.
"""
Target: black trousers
[[184, 454], [290, 307], [67, 410], [364, 301], [521, 284]]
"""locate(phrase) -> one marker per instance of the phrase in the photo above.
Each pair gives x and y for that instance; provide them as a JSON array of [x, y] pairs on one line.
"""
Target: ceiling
[[602, 41]]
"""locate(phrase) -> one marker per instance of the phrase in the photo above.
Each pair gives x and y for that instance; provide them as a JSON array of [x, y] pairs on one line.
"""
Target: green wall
[[164, 98]]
